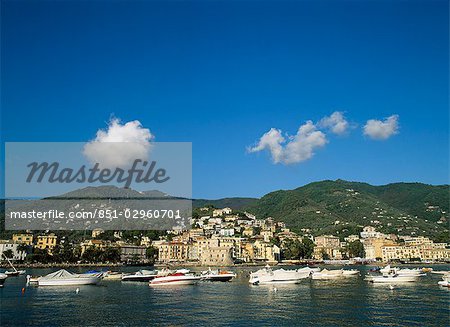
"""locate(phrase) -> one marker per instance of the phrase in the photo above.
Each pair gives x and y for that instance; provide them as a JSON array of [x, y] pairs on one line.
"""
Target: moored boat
[[445, 282], [279, 276], [175, 279], [64, 278], [140, 276], [217, 275], [113, 275], [392, 278], [3, 278], [350, 273], [326, 274]]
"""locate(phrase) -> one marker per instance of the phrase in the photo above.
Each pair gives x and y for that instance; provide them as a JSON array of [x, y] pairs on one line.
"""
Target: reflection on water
[[350, 301]]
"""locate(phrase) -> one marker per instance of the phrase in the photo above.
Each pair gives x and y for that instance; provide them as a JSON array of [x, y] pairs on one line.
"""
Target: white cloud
[[336, 123], [119, 145], [272, 140], [381, 130], [300, 147]]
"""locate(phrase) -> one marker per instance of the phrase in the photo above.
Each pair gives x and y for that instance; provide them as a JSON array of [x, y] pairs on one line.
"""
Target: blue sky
[[221, 74]]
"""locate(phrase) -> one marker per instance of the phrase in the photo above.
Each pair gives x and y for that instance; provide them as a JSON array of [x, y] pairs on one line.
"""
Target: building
[[132, 253], [96, 232], [220, 212], [214, 252], [46, 242], [265, 251], [373, 247], [327, 246], [174, 252], [370, 232], [23, 238], [419, 251], [11, 247], [226, 232], [327, 241], [99, 244]]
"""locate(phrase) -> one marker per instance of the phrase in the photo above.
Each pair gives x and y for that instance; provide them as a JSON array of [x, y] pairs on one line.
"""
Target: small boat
[[3, 278], [113, 275], [175, 279], [140, 276], [427, 269], [440, 272], [402, 272], [350, 273], [217, 275], [279, 276], [445, 282], [14, 272], [392, 278], [326, 274], [64, 278]]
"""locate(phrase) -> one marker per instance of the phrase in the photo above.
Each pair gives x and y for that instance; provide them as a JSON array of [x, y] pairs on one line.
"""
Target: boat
[[140, 276], [326, 274], [350, 272], [440, 272], [14, 272], [445, 282], [269, 276], [392, 278], [64, 278], [402, 272], [113, 275], [3, 278], [175, 279], [217, 275]]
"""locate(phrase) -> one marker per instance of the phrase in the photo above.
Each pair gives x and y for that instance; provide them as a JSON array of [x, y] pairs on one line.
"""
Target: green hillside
[[342, 208]]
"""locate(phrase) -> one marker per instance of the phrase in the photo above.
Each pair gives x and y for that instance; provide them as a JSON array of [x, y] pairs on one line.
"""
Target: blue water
[[352, 302]]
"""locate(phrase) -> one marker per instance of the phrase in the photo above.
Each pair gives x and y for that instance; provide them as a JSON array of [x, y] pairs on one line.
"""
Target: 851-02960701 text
[[126, 213]]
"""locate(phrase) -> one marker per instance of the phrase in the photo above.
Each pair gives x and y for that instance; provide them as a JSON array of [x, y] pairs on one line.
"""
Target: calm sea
[[350, 302]]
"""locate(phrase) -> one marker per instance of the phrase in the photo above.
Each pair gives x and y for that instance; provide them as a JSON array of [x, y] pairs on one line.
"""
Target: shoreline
[[188, 264]]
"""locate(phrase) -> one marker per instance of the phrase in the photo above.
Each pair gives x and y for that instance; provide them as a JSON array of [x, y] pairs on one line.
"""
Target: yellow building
[[174, 251], [425, 251], [374, 247], [23, 238], [46, 242], [327, 241], [99, 244], [214, 251]]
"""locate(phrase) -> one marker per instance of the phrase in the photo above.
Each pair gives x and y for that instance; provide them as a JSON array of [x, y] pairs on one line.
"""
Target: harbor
[[338, 301]]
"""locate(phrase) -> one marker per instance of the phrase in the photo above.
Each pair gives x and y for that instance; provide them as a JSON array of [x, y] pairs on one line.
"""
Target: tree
[[152, 254], [325, 255], [307, 248], [8, 254], [356, 249], [111, 254]]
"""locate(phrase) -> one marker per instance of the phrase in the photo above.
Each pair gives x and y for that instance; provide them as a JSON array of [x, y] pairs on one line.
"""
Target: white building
[[6, 245]]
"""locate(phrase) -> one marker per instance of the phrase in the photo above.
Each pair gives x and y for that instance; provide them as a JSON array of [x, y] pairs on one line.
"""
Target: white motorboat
[[350, 273], [440, 272], [217, 275], [392, 278], [326, 274], [445, 282], [406, 271], [140, 276], [3, 278], [269, 276], [175, 279], [64, 278]]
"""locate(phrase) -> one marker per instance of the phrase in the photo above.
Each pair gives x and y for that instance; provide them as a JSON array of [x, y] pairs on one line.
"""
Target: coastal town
[[221, 237]]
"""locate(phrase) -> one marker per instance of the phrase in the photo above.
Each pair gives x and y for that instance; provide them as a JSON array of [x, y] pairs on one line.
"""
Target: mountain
[[233, 203], [341, 207]]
